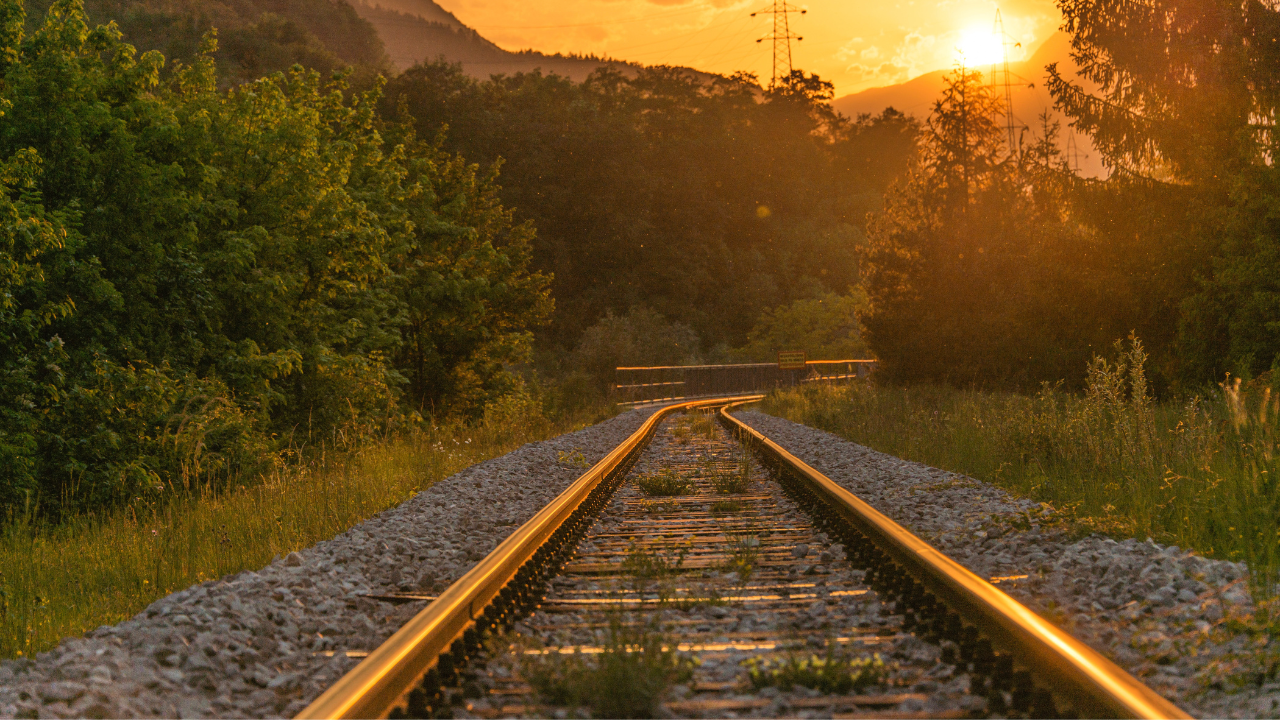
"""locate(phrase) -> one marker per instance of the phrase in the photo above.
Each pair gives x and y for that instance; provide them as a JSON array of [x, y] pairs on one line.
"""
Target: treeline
[[705, 200], [996, 266], [198, 273], [192, 279]]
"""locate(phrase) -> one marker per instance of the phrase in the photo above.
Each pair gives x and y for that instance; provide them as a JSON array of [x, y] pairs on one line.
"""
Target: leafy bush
[[192, 279], [642, 337], [827, 328]]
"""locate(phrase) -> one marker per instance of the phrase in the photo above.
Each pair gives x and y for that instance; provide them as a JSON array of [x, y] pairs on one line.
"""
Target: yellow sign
[[791, 359]]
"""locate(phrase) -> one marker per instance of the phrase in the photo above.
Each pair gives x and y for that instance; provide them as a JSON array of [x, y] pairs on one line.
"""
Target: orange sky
[[856, 44]]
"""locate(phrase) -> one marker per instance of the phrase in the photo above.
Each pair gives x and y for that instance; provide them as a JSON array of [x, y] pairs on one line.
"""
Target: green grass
[[695, 423], [726, 507], [730, 482], [664, 483], [744, 553], [626, 680], [62, 581], [830, 674], [1200, 473]]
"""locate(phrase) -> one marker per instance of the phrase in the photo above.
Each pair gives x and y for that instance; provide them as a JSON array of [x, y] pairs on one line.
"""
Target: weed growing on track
[[704, 423], [726, 507], [830, 674], [696, 423], [573, 458], [645, 567], [665, 507], [744, 553], [734, 481], [63, 581], [665, 483], [1201, 473], [626, 680]]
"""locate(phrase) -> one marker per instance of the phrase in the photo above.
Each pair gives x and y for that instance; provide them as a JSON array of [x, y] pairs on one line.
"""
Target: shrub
[[664, 483], [626, 680]]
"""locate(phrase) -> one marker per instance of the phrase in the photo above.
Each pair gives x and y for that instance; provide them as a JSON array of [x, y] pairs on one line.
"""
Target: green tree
[[971, 265], [707, 200], [1185, 120], [191, 277], [827, 328]]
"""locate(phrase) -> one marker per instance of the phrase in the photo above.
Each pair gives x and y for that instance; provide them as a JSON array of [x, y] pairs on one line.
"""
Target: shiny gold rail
[[383, 680], [1093, 685], [1089, 683]]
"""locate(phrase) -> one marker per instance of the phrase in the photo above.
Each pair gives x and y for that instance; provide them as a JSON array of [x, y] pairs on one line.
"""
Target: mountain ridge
[[1030, 97]]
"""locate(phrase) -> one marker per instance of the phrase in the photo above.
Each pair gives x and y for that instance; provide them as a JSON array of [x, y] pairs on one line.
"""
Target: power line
[[781, 37], [1005, 41]]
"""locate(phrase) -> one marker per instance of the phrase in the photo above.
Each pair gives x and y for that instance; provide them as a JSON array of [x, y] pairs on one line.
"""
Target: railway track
[[715, 574]]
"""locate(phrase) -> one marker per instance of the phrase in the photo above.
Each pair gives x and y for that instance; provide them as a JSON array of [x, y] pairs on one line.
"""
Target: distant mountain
[[416, 30], [255, 37], [1030, 98]]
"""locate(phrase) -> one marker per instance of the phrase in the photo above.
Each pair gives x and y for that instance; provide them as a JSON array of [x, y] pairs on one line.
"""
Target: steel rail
[[1092, 684], [382, 680]]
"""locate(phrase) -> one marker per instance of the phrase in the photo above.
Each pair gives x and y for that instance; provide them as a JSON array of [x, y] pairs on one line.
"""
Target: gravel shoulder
[[265, 643], [1175, 619]]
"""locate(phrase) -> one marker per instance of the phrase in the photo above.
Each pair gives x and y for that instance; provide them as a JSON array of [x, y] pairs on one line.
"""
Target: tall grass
[[62, 581], [1200, 473]]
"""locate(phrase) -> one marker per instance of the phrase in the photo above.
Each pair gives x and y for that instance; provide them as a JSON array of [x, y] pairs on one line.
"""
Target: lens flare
[[979, 46]]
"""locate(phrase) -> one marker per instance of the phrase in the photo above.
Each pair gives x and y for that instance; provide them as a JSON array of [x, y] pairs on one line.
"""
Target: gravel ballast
[[267, 642], [1162, 613], [254, 644]]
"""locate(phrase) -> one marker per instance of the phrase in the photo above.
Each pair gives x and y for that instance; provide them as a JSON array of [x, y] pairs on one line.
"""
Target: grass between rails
[[57, 582], [1200, 473], [626, 680]]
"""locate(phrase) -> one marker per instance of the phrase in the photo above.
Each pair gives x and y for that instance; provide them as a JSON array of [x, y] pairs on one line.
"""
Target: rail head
[[1094, 685], [380, 682]]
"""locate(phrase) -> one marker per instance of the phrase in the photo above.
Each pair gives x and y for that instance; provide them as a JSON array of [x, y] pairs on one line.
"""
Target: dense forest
[[705, 201], [228, 244]]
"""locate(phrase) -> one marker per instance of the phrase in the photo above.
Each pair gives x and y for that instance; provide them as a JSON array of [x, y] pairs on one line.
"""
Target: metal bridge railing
[[638, 385]]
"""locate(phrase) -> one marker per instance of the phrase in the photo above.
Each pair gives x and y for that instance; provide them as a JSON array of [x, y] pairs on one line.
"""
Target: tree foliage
[[703, 199], [1186, 119], [192, 276], [997, 266], [827, 328], [976, 271]]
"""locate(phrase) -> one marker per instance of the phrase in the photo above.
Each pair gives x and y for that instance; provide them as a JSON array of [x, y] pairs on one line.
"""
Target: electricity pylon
[[1073, 153], [1005, 78], [782, 38]]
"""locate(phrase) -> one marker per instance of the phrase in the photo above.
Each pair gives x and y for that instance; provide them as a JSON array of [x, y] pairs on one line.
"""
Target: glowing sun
[[979, 46]]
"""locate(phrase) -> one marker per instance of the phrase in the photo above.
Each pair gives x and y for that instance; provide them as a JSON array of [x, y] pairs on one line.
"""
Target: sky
[[856, 44]]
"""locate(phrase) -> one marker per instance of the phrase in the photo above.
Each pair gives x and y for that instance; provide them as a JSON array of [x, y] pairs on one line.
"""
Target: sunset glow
[[979, 46], [854, 45]]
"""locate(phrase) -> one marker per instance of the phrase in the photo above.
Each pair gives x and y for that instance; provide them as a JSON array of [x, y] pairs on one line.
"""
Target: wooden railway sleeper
[[1009, 686], [924, 614]]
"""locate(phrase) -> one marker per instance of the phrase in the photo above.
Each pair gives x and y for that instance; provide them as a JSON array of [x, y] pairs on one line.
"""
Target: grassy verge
[[1200, 473], [62, 581]]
